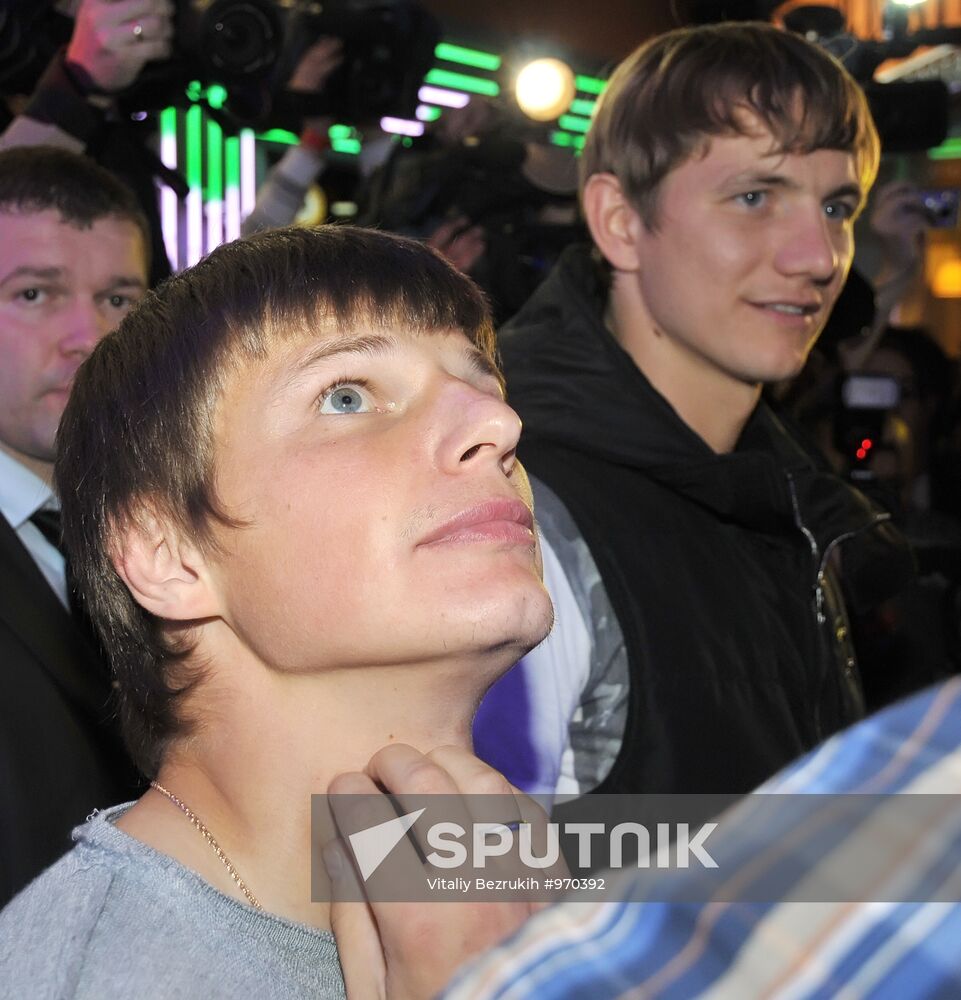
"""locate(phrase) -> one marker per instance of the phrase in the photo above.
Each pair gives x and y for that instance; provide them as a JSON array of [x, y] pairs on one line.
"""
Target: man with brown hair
[[73, 260], [720, 179], [291, 496], [702, 545]]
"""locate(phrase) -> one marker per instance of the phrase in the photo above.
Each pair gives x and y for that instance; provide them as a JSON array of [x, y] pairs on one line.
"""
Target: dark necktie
[[48, 523]]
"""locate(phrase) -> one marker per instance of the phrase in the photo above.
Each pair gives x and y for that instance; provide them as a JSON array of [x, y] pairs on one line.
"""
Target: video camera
[[910, 115], [865, 402], [252, 46]]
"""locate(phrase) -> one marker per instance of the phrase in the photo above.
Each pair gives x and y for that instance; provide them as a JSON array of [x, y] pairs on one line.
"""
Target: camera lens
[[240, 38]]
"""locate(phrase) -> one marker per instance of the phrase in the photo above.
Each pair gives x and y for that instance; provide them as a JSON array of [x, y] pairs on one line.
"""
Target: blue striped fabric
[[740, 950]]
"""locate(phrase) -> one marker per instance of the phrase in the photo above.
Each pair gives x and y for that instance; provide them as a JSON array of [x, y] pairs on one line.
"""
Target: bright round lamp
[[545, 89]]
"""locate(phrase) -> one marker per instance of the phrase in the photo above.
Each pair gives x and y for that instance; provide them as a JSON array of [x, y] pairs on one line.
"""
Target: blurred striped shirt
[[782, 948]]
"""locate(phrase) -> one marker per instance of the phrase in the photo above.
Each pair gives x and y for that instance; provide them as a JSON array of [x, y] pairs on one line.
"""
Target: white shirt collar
[[22, 492]]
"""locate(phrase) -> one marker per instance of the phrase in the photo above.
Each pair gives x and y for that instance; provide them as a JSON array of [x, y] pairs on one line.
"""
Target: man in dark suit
[[73, 260]]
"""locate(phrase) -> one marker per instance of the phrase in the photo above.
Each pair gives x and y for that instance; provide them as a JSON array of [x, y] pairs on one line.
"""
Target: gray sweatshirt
[[114, 918]]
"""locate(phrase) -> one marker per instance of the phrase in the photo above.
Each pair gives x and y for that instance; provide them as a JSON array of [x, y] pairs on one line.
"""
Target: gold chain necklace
[[209, 837]]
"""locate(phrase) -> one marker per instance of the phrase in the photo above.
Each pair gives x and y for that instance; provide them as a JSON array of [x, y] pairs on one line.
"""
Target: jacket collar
[[573, 384], [35, 615]]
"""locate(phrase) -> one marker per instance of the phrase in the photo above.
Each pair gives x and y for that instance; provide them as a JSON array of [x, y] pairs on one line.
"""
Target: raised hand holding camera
[[113, 41]]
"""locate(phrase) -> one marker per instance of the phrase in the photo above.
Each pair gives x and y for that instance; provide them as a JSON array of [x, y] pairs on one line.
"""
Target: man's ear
[[615, 224], [166, 573]]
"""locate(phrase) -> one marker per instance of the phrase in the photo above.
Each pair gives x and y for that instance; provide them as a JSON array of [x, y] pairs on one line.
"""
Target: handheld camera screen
[[870, 392]]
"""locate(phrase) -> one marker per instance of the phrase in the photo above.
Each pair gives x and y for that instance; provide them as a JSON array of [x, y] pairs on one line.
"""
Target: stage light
[[946, 278], [462, 81], [446, 98], [908, 3], [402, 126], [545, 89], [313, 212]]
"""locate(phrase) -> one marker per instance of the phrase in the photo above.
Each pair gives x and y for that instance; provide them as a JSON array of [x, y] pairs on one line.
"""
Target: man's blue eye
[[344, 399], [839, 210]]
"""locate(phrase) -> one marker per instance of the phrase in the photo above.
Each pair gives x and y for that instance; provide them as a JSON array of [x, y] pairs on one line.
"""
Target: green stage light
[[574, 124], [467, 57], [589, 84], [280, 135], [216, 96], [461, 81], [950, 149], [215, 161], [194, 130]]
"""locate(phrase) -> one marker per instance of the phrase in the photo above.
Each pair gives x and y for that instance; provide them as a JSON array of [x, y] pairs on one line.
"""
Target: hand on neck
[[272, 740]]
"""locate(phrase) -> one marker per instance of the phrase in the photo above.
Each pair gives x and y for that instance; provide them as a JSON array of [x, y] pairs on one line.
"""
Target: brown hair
[[138, 435], [680, 88], [41, 178]]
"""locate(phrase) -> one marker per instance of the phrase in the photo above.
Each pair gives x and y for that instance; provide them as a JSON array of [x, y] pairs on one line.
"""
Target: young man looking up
[[721, 177], [290, 489], [73, 261]]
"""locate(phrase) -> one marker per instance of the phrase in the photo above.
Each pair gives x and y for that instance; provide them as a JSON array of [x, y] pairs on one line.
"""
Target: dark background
[[600, 32]]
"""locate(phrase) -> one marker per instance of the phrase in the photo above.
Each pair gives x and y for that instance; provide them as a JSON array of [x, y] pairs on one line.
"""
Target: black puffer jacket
[[721, 568]]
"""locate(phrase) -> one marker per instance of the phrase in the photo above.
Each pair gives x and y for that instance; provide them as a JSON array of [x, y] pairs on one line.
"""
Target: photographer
[[480, 188], [282, 194], [72, 101], [914, 638], [897, 223]]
